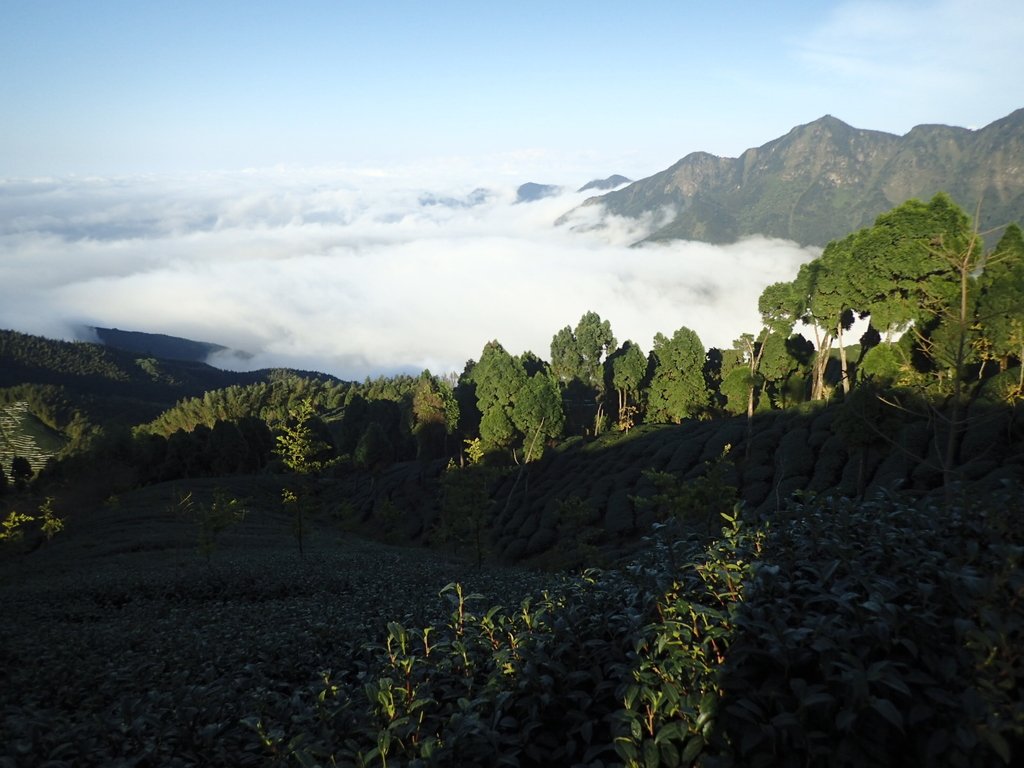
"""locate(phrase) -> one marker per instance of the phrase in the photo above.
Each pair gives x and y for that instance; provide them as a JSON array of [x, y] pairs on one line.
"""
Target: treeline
[[50, 359]]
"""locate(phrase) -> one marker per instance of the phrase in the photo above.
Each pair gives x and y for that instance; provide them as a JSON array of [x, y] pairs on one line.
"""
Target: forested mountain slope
[[62, 392], [825, 179]]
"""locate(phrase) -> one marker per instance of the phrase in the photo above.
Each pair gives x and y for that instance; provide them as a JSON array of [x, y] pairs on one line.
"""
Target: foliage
[[301, 444], [498, 377], [684, 508], [466, 509], [881, 634], [673, 693], [871, 636], [21, 472], [12, 526], [374, 450], [677, 390], [211, 519], [578, 354], [50, 524], [537, 413], [626, 369]]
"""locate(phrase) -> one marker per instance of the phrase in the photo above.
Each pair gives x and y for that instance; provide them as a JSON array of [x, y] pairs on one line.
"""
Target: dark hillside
[[877, 633], [59, 397], [94, 369], [158, 345], [811, 450]]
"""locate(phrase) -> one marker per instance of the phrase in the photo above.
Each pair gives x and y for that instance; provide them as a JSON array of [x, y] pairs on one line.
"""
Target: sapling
[[51, 524]]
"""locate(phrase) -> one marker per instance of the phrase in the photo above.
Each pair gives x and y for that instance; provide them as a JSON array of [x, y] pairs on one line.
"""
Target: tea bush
[[884, 633]]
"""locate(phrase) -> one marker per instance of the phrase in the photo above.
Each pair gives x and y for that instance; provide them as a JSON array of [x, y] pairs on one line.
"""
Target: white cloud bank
[[355, 273]]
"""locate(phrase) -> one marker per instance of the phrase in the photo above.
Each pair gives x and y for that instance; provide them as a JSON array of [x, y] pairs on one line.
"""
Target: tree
[[21, 472], [898, 275], [577, 359], [498, 377], [466, 507], [3, 482], [627, 367], [830, 297], [821, 287], [537, 413], [785, 363], [678, 389], [435, 416], [780, 306], [594, 340], [302, 445], [466, 401], [304, 452], [1001, 302], [374, 449], [920, 264], [736, 387], [227, 448], [566, 362]]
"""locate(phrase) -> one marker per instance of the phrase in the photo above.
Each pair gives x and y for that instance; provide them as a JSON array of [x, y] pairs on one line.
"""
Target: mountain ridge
[[824, 179]]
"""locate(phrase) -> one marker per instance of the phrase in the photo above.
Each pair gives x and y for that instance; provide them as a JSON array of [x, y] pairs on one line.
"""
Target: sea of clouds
[[357, 273]]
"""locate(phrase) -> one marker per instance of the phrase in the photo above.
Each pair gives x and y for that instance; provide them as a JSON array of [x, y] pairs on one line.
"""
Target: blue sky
[[254, 174], [574, 88]]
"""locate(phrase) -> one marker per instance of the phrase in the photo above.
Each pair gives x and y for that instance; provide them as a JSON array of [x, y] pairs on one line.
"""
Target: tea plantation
[[832, 634]]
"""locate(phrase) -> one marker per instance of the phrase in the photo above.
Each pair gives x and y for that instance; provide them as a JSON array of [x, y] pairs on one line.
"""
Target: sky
[[267, 175]]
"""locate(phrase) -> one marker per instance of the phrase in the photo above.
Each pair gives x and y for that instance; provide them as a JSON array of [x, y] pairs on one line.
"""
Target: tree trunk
[[820, 365], [842, 358]]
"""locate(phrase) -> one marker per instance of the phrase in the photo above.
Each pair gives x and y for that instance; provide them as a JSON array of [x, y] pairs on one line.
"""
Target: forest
[[804, 549]]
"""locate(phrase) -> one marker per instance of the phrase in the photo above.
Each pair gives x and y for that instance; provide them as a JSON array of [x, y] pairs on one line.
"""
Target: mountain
[[601, 185], [107, 383], [531, 191], [477, 197], [157, 344], [826, 179]]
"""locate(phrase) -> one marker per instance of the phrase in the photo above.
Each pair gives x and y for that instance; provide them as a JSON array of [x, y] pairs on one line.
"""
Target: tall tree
[[498, 377], [833, 301], [537, 413], [21, 472], [1001, 303], [898, 274], [594, 340], [678, 389], [627, 367], [435, 415], [577, 358]]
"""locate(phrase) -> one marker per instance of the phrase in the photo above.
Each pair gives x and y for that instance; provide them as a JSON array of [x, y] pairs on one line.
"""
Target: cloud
[[913, 56], [356, 273]]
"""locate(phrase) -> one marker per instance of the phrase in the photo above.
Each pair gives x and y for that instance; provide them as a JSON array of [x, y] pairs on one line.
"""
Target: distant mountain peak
[[601, 185], [531, 191], [825, 179]]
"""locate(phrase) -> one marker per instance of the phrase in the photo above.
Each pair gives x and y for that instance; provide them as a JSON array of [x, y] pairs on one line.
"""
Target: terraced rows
[[16, 438]]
